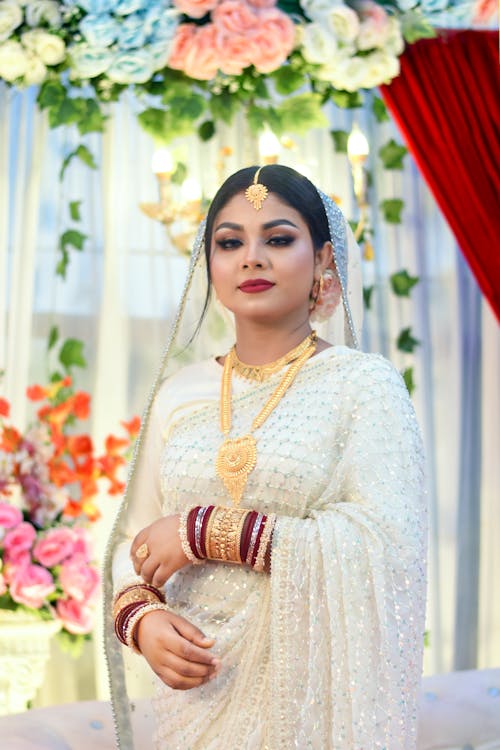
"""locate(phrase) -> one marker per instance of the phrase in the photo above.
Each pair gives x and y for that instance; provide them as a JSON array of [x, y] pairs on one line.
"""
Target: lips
[[256, 285]]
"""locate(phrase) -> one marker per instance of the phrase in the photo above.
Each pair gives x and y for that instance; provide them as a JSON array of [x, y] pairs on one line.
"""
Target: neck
[[259, 344]]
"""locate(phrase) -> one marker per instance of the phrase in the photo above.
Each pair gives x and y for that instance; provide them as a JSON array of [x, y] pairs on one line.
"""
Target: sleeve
[[348, 583], [145, 504]]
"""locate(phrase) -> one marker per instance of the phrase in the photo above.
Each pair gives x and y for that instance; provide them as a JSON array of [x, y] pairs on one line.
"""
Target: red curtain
[[446, 103]]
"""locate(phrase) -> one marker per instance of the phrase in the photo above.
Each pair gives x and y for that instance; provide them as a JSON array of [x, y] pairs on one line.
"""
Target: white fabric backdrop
[[122, 288]]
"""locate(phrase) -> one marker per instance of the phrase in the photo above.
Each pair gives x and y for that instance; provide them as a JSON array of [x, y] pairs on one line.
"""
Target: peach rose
[[76, 617], [197, 54], [9, 516], [261, 3], [79, 580], [19, 539], [182, 42], [31, 585], [237, 53], [275, 39], [195, 8], [235, 17], [57, 545]]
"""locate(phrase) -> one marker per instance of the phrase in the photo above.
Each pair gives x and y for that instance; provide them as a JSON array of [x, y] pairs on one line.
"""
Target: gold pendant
[[235, 460]]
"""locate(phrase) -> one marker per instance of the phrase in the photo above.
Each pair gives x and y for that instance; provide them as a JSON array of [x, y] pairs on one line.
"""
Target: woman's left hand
[[165, 555]]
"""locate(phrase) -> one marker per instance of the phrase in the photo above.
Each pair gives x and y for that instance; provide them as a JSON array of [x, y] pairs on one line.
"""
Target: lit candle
[[162, 162], [191, 190], [357, 145], [269, 147]]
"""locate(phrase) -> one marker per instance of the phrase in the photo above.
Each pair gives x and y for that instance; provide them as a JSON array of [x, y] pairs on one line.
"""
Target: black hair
[[292, 187]]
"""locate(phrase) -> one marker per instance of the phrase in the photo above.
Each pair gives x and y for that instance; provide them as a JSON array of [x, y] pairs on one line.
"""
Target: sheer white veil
[[188, 341]]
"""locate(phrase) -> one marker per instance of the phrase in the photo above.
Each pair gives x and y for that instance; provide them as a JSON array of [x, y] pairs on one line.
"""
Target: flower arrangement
[[49, 479]]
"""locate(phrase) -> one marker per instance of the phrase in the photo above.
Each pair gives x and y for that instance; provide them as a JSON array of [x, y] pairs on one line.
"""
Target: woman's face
[[263, 263]]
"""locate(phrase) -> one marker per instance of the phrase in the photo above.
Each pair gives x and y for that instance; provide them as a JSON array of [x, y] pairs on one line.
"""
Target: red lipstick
[[252, 286]]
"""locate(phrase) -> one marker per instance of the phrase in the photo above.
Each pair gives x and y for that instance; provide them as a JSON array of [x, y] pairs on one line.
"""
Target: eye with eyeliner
[[276, 240]]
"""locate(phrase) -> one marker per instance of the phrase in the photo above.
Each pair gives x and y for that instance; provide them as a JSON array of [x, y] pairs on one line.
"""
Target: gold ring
[[142, 552]]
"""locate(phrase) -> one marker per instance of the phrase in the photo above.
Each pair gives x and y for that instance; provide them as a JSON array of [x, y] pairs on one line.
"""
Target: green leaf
[[92, 120], [51, 94], [53, 338], [72, 237], [62, 264], [391, 209], [162, 125], [180, 173], [408, 378], [224, 106], [259, 117], [82, 153], [298, 114], [187, 107], [392, 154], [71, 354], [346, 99], [402, 283], [406, 342], [206, 130], [367, 296], [74, 210], [415, 26], [287, 80], [380, 110], [340, 140]]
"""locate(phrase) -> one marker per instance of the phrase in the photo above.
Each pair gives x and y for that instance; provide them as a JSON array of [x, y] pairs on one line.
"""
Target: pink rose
[[31, 585], [54, 547], [195, 8], [82, 542], [374, 27], [262, 3], [275, 39], [19, 540], [15, 561], [9, 516], [235, 17], [79, 580], [237, 53], [195, 52], [76, 617]]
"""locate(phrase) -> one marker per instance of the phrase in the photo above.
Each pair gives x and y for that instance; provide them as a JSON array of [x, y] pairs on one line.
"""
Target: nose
[[254, 255]]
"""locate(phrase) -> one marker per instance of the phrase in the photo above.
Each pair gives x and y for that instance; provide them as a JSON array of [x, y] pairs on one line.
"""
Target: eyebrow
[[267, 225]]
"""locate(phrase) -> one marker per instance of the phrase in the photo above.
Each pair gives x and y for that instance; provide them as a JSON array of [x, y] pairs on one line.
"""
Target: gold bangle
[[224, 534], [138, 594]]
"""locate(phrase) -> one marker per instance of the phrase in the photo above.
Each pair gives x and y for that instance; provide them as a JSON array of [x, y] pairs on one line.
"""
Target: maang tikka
[[256, 193]]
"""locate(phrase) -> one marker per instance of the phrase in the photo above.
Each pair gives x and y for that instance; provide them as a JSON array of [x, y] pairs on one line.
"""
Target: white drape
[[120, 290]]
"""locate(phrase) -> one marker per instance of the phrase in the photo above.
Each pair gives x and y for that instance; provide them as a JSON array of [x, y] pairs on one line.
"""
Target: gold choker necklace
[[259, 373], [237, 457]]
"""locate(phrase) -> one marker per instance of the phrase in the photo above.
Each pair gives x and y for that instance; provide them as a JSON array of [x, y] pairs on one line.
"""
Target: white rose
[[35, 70], [316, 9], [348, 73], [379, 67], [343, 22], [395, 43], [38, 11], [318, 44], [13, 60], [49, 47], [372, 34], [11, 16]]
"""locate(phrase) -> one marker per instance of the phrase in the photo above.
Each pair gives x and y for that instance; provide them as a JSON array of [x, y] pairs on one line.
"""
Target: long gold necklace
[[237, 457], [259, 373]]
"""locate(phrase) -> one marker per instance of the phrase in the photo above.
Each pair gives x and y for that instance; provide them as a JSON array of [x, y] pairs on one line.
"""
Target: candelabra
[[357, 152]]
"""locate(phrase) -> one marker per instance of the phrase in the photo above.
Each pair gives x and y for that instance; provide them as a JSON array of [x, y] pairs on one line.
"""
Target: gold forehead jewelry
[[237, 457], [259, 373], [256, 193]]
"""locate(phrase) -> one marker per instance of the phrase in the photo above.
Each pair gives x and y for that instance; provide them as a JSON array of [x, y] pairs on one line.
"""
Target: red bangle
[[257, 541], [203, 538], [247, 534], [190, 529]]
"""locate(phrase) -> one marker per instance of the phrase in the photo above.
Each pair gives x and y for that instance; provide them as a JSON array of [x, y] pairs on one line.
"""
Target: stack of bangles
[[130, 605], [233, 535]]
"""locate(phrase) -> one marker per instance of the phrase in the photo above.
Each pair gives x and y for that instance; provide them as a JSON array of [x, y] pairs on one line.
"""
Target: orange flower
[[60, 473], [4, 407], [133, 426], [81, 405], [79, 445], [115, 445], [36, 392], [91, 511], [11, 439]]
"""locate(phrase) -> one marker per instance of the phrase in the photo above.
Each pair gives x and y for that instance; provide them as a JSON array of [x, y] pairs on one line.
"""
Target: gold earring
[[321, 285]]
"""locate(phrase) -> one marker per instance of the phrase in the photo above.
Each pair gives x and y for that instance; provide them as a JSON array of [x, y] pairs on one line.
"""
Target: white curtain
[[122, 288]]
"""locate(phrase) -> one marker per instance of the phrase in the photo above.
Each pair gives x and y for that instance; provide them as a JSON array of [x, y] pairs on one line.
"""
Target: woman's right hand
[[176, 650]]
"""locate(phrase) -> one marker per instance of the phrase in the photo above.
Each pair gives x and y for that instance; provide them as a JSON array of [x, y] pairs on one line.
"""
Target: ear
[[322, 259]]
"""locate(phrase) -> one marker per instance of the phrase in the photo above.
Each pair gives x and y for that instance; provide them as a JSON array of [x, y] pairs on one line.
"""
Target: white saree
[[325, 652]]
